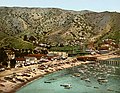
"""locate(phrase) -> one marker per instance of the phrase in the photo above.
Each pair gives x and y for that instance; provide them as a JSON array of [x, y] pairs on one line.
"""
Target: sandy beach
[[12, 80]]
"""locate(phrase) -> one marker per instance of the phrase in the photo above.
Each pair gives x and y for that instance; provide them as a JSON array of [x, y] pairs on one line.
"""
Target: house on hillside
[[111, 43], [105, 48], [108, 41]]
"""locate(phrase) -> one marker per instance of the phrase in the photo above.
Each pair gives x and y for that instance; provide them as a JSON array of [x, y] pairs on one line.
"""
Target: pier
[[109, 62]]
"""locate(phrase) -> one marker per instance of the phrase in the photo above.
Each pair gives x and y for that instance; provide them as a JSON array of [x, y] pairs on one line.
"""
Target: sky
[[78, 5]]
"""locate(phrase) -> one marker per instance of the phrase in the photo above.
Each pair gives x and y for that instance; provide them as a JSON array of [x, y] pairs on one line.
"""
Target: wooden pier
[[109, 62]]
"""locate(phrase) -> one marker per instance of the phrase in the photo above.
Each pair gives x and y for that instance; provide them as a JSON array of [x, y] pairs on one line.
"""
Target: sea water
[[52, 83]]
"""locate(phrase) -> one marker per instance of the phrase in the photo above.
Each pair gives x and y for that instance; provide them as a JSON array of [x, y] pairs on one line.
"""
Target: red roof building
[[20, 59], [38, 56]]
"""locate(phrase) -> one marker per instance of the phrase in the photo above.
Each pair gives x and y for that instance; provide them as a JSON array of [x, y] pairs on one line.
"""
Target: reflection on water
[[90, 78]]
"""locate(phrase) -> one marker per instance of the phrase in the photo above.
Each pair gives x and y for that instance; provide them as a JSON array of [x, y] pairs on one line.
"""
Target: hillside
[[56, 26]]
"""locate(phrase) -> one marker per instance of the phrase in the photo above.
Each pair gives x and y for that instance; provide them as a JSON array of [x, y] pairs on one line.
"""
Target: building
[[20, 61], [60, 54], [33, 58]]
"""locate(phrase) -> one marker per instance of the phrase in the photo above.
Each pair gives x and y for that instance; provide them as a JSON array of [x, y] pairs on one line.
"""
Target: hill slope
[[56, 26]]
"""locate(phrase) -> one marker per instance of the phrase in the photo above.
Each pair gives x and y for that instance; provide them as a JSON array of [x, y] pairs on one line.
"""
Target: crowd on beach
[[12, 80]]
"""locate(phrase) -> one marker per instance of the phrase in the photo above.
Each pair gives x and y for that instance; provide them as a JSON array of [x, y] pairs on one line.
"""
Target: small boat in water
[[110, 89], [66, 86], [47, 82], [96, 87], [87, 80], [76, 74], [102, 80], [53, 79]]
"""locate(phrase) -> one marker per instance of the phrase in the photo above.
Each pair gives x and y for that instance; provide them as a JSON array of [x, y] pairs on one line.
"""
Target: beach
[[11, 80]]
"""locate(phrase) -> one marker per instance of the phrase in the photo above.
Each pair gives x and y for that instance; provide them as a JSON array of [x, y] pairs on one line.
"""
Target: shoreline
[[40, 72], [39, 76], [9, 87], [33, 79], [24, 84]]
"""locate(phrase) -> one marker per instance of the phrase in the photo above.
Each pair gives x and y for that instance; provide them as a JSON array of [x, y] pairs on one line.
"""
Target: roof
[[105, 47], [35, 55], [83, 58], [20, 59]]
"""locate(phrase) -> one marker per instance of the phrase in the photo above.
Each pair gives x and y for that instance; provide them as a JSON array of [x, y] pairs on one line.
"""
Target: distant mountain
[[56, 26]]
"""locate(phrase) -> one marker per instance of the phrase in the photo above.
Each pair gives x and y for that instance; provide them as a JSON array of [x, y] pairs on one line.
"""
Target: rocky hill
[[19, 27]]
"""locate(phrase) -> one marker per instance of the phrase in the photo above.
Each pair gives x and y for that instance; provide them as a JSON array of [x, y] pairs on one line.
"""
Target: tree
[[17, 53], [25, 38], [30, 51], [44, 51], [12, 63], [35, 51], [32, 38], [5, 64], [3, 57]]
